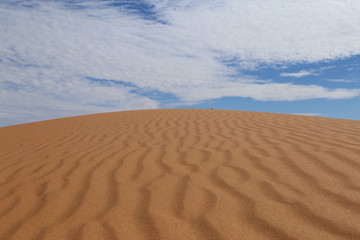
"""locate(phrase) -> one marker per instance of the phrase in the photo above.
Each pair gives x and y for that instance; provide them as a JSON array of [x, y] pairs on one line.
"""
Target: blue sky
[[66, 58]]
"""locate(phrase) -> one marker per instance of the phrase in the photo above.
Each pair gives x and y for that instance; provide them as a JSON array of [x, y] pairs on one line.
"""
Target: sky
[[61, 58]]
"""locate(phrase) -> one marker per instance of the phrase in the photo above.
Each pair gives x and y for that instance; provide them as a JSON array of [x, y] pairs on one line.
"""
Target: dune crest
[[181, 174]]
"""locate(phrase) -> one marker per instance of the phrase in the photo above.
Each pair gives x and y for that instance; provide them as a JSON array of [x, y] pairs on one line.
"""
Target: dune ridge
[[181, 174]]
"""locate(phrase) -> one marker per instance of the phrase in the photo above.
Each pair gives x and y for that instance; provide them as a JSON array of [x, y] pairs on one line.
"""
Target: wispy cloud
[[299, 74], [340, 80], [50, 51]]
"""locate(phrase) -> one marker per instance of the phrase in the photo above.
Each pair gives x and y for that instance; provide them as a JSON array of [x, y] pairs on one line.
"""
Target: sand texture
[[181, 174]]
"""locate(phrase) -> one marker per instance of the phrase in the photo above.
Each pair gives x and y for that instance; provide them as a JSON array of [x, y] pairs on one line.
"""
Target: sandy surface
[[181, 174]]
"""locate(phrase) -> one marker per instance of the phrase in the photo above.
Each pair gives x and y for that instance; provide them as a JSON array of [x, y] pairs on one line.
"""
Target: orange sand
[[181, 174]]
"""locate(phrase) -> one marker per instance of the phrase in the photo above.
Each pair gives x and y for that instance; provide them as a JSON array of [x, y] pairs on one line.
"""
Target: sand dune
[[181, 174]]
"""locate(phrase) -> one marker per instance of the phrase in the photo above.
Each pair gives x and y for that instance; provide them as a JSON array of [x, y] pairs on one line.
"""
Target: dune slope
[[181, 174]]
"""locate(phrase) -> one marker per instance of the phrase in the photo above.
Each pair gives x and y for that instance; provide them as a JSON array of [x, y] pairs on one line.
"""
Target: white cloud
[[299, 74], [268, 31], [341, 80], [304, 73], [269, 92], [24, 105], [48, 52]]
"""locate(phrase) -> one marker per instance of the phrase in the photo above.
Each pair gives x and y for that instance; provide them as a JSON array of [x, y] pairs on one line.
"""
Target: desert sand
[[181, 174]]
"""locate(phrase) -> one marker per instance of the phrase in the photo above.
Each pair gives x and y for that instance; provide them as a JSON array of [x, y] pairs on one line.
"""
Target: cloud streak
[[300, 74], [49, 51]]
